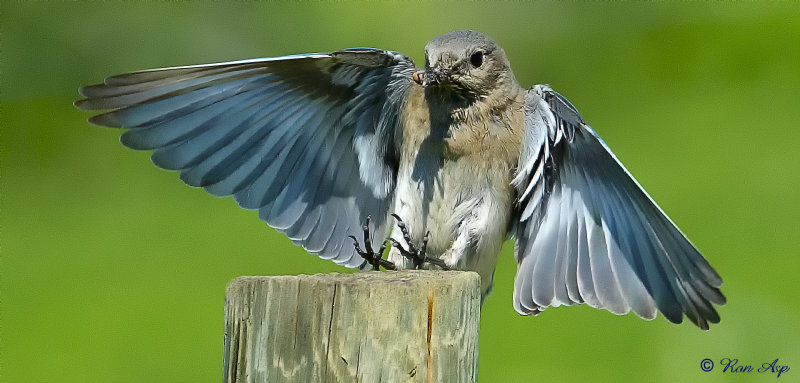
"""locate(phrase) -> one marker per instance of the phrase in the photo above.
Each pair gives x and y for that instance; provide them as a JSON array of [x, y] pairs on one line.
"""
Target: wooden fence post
[[404, 326]]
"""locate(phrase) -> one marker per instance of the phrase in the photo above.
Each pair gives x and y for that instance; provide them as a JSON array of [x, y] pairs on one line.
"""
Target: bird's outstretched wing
[[588, 233], [308, 140]]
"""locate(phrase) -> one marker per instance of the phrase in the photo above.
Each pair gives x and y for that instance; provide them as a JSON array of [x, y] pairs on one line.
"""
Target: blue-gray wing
[[588, 233], [308, 140]]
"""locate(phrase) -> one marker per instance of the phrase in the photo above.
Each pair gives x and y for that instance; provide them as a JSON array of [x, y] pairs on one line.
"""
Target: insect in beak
[[432, 76], [419, 77]]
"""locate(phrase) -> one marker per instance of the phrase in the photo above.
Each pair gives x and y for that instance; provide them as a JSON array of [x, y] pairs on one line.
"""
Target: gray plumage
[[318, 142]]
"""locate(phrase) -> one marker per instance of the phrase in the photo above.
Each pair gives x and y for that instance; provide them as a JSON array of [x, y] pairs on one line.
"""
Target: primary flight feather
[[464, 157]]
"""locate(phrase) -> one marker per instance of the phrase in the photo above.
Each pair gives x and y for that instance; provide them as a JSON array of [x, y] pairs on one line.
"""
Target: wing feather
[[588, 233], [308, 140]]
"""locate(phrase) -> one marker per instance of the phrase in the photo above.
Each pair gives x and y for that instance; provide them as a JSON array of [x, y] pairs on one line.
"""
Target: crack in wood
[[430, 330]]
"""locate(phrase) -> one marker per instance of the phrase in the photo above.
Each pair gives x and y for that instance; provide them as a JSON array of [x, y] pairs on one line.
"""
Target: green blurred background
[[114, 271]]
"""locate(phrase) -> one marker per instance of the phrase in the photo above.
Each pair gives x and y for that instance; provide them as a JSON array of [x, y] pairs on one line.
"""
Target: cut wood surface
[[404, 326]]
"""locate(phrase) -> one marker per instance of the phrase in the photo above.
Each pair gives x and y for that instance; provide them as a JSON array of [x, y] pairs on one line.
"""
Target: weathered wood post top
[[403, 326]]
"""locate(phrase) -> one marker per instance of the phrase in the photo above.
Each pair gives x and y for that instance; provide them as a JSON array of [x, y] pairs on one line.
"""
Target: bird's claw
[[375, 259], [418, 257]]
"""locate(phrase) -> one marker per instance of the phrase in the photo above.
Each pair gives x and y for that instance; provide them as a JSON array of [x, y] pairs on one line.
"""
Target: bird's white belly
[[465, 207]]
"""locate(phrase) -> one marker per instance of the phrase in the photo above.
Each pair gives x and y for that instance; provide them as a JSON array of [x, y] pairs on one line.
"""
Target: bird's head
[[467, 63]]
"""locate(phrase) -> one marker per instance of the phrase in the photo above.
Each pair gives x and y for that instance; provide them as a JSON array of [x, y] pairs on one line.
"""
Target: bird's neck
[[455, 109]]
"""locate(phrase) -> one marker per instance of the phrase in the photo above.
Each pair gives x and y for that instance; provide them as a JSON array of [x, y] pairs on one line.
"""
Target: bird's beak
[[436, 76]]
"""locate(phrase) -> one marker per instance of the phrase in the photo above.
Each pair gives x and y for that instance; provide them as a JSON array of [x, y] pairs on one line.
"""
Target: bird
[[446, 162]]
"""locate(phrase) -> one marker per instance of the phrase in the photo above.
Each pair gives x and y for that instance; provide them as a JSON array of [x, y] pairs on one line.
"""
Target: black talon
[[412, 255], [406, 234], [424, 248], [374, 259], [423, 253], [437, 262], [418, 257]]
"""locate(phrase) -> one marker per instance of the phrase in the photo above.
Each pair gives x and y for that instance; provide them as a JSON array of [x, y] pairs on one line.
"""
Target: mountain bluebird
[[458, 152]]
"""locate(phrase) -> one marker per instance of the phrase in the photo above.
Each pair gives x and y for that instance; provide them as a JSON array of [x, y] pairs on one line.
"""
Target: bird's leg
[[374, 259], [418, 257]]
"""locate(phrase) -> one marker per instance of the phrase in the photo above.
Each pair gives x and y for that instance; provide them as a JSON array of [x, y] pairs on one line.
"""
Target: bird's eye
[[476, 59]]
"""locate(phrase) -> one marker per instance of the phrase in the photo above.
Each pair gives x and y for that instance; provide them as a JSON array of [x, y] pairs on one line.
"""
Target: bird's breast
[[454, 178]]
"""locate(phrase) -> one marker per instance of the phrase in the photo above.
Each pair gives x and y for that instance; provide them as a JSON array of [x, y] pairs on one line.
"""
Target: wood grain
[[406, 326]]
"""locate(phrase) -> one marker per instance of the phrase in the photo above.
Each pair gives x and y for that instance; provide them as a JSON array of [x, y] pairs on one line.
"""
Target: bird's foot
[[417, 256], [375, 259]]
